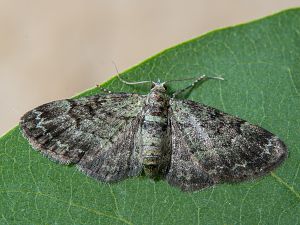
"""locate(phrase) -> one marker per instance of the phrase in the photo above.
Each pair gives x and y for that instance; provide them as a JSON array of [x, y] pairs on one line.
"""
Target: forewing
[[99, 128], [210, 146]]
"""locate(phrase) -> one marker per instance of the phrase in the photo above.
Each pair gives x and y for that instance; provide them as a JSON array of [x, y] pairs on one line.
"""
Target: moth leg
[[105, 90], [190, 86]]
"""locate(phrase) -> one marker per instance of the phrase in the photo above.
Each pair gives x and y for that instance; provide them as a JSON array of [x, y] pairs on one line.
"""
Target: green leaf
[[260, 62]]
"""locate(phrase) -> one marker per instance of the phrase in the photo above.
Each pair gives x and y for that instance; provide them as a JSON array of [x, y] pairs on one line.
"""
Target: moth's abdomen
[[153, 140], [154, 131]]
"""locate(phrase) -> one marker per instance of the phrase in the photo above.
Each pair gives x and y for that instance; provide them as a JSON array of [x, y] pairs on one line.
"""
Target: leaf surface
[[260, 62]]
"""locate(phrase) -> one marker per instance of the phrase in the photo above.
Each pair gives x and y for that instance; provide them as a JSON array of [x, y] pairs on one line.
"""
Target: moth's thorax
[[154, 131]]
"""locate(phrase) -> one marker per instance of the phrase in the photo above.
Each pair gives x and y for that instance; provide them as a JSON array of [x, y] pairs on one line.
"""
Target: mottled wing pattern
[[89, 131], [210, 147]]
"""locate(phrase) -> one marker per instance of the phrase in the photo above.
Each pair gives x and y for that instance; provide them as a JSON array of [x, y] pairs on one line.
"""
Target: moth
[[114, 136]]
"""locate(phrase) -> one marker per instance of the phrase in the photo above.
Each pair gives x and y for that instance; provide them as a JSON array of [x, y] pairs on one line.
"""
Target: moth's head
[[159, 86]]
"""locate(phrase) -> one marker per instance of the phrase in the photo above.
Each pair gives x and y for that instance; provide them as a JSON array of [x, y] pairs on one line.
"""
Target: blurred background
[[52, 49]]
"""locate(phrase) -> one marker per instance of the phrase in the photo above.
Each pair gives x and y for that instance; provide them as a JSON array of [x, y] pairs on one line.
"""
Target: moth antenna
[[127, 82]]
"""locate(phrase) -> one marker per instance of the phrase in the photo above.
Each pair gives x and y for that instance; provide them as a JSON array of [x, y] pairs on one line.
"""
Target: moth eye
[[152, 85]]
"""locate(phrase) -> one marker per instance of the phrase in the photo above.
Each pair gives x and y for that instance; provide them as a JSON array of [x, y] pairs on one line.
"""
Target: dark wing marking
[[209, 147], [89, 131]]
